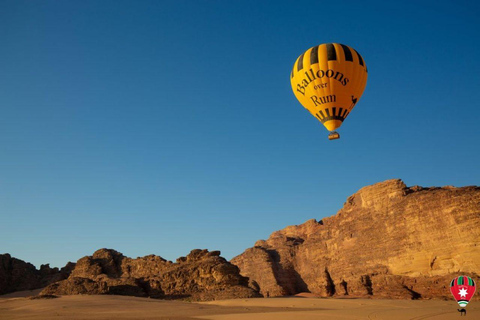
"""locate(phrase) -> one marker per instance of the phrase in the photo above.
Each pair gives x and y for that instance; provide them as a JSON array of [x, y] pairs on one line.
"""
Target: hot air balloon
[[328, 80], [462, 289]]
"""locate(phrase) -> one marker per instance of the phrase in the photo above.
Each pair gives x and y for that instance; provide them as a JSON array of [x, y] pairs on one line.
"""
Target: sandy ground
[[291, 308]]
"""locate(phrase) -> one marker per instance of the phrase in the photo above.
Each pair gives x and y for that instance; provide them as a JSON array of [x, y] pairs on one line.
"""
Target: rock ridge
[[18, 275], [388, 240], [200, 276]]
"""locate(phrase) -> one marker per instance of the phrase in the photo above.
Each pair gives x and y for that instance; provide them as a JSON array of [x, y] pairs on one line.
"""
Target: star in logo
[[463, 293]]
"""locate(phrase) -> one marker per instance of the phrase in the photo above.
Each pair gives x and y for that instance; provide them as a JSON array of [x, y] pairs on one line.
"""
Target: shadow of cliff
[[286, 275]]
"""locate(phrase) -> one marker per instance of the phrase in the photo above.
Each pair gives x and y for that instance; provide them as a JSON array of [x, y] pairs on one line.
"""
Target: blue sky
[[164, 126]]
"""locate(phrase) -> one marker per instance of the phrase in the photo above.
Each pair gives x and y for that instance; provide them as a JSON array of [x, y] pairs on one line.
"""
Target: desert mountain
[[18, 275], [387, 241], [201, 275]]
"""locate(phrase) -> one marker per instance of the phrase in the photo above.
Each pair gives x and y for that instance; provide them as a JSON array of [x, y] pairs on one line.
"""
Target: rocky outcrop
[[201, 275], [387, 241], [18, 275]]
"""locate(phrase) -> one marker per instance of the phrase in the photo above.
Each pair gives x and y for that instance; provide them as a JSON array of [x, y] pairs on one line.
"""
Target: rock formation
[[387, 241], [18, 275], [199, 276]]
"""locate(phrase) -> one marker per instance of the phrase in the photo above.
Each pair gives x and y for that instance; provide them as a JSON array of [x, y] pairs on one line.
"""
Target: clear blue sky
[[157, 127]]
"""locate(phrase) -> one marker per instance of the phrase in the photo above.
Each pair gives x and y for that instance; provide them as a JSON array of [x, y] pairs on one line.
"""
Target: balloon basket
[[333, 135]]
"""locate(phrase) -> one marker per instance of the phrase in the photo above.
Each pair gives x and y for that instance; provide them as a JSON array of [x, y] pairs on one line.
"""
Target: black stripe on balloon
[[348, 53], [452, 283], [359, 57], [340, 111], [331, 52], [314, 55], [329, 118], [333, 116], [300, 62], [291, 76]]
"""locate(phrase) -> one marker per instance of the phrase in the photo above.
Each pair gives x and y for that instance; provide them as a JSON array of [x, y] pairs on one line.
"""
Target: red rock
[[18, 275], [387, 241], [201, 275]]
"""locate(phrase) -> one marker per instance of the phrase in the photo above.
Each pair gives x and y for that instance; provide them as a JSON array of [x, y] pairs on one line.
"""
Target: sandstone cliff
[[18, 275], [199, 276], [387, 241]]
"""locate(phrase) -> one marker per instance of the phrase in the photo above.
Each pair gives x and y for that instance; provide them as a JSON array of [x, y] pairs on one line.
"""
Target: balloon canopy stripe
[[331, 52], [359, 58], [462, 280], [300, 62], [347, 52], [314, 55], [332, 115], [331, 56]]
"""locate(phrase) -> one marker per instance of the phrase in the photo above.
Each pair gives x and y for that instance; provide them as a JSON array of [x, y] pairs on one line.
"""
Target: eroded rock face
[[201, 275], [387, 241], [18, 275]]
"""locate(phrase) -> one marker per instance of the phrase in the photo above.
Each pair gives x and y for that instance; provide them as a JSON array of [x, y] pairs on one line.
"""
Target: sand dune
[[298, 308]]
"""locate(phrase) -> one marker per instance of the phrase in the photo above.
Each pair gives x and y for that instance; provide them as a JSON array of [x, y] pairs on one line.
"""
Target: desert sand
[[105, 307]]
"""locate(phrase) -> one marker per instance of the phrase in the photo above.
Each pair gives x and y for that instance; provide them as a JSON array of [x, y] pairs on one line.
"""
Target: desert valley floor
[[106, 307]]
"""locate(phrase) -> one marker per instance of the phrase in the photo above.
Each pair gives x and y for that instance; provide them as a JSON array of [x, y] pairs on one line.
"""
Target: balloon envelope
[[462, 288], [328, 80]]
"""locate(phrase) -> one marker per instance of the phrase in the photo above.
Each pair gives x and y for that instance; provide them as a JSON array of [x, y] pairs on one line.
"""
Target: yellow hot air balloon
[[328, 80]]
